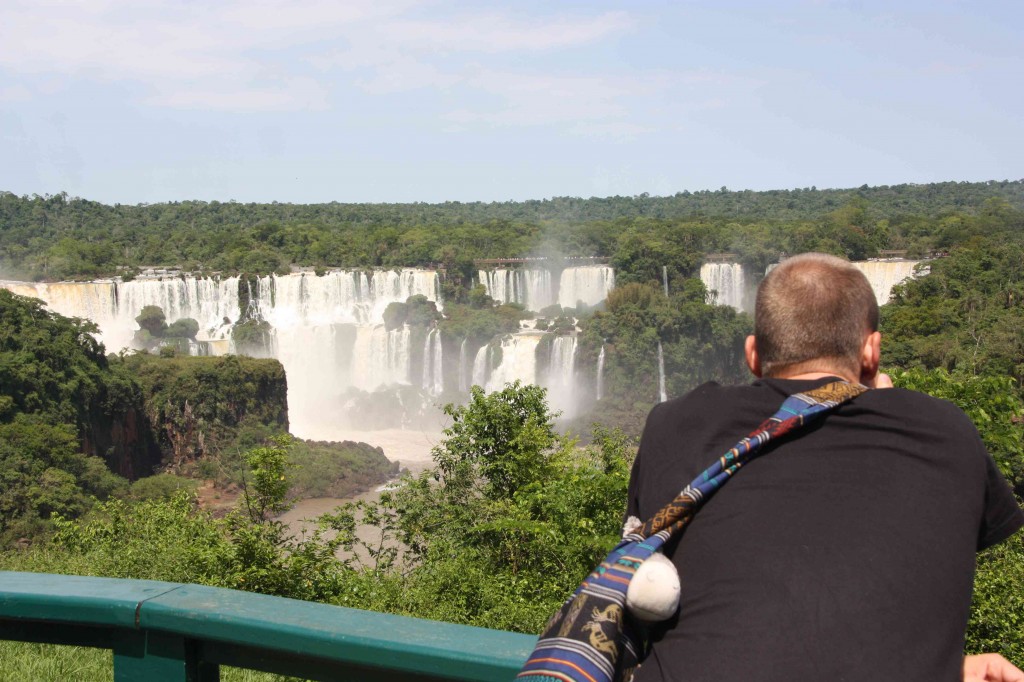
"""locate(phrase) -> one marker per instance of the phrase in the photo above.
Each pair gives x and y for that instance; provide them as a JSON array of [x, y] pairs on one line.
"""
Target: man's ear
[[870, 357], [753, 360]]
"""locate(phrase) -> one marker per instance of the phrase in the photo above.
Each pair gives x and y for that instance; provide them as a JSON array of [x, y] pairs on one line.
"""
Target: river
[[411, 449]]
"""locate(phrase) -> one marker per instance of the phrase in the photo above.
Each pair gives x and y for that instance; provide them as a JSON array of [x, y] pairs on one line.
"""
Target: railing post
[[158, 657]]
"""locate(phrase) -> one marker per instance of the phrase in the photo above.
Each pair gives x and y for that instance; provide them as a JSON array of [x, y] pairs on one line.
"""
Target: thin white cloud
[[191, 54], [500, 33], [278, 55], [304, 94], [615, 131]]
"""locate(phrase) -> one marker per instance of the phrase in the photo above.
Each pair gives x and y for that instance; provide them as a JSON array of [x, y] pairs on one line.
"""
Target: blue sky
[[312, 100]]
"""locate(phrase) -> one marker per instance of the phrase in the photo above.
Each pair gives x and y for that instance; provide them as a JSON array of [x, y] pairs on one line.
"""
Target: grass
[[30, 662]]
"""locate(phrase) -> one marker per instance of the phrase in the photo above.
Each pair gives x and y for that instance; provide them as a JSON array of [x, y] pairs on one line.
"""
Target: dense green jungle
[[163, 466]]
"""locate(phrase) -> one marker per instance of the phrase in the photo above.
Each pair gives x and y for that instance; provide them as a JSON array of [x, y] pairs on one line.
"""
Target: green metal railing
[[169, 631]]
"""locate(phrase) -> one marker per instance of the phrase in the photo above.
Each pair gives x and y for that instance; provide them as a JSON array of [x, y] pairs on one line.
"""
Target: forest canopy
[[59, 237]]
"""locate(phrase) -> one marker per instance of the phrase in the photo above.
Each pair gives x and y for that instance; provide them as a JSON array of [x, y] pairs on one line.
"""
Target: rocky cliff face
[[125, 440], [197, 405]]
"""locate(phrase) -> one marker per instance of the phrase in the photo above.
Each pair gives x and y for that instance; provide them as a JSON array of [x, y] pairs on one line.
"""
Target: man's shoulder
[[712, 397], [914, 403], [709, 398]]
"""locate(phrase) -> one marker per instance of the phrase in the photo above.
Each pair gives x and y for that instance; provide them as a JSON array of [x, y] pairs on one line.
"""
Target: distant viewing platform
[[542, 260]]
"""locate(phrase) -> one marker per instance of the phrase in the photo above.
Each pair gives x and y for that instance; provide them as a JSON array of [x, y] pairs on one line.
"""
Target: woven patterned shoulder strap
[[798, 410]]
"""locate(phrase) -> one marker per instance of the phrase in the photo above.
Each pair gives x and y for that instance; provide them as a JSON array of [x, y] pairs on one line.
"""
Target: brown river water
[[411, 449]]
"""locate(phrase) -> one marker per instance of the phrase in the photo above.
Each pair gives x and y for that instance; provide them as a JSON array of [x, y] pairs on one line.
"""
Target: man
[[845, 551]]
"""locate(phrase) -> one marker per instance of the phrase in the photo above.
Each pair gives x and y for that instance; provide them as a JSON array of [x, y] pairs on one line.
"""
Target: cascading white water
[[561, 376], [531, 288], [662, 393], [884, 275], [727, 282], [433, 375], [328, 330], [463, 370], [600, 373], [538, 293], [587, 284], [114, 305], [352, 304], [481, 366], [500, 284], [379, 357], [518, 361], [664, 278]]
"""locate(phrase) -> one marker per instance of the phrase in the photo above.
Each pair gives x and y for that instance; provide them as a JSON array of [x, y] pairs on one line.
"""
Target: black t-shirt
[[845, 552]]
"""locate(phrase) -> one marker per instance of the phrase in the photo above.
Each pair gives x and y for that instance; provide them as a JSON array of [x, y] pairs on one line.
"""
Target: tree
[[153, 320], [504, 438], [510, 519]]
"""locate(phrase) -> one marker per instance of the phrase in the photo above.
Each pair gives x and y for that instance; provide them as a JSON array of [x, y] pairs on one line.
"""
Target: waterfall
[[662, 394], [561, 374], [463, 359], [433, 376], [531, 288], [537, 289], [600, 373], [588, 284], [341, 296], [378, 358], [664, 278], [428, 376], [727, 284], [481, 366], [328, 330], [330, 337], [114, 305], [499, 284], [884, 275], [518, 361]]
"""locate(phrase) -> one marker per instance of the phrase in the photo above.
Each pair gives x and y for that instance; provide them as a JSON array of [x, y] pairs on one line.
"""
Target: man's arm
[[990, 668]]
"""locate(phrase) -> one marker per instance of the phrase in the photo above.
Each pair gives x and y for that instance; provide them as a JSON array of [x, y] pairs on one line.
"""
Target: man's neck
[[817, 375]]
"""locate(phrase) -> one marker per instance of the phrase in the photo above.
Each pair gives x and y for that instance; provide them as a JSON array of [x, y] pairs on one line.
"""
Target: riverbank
[[412, 451]]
